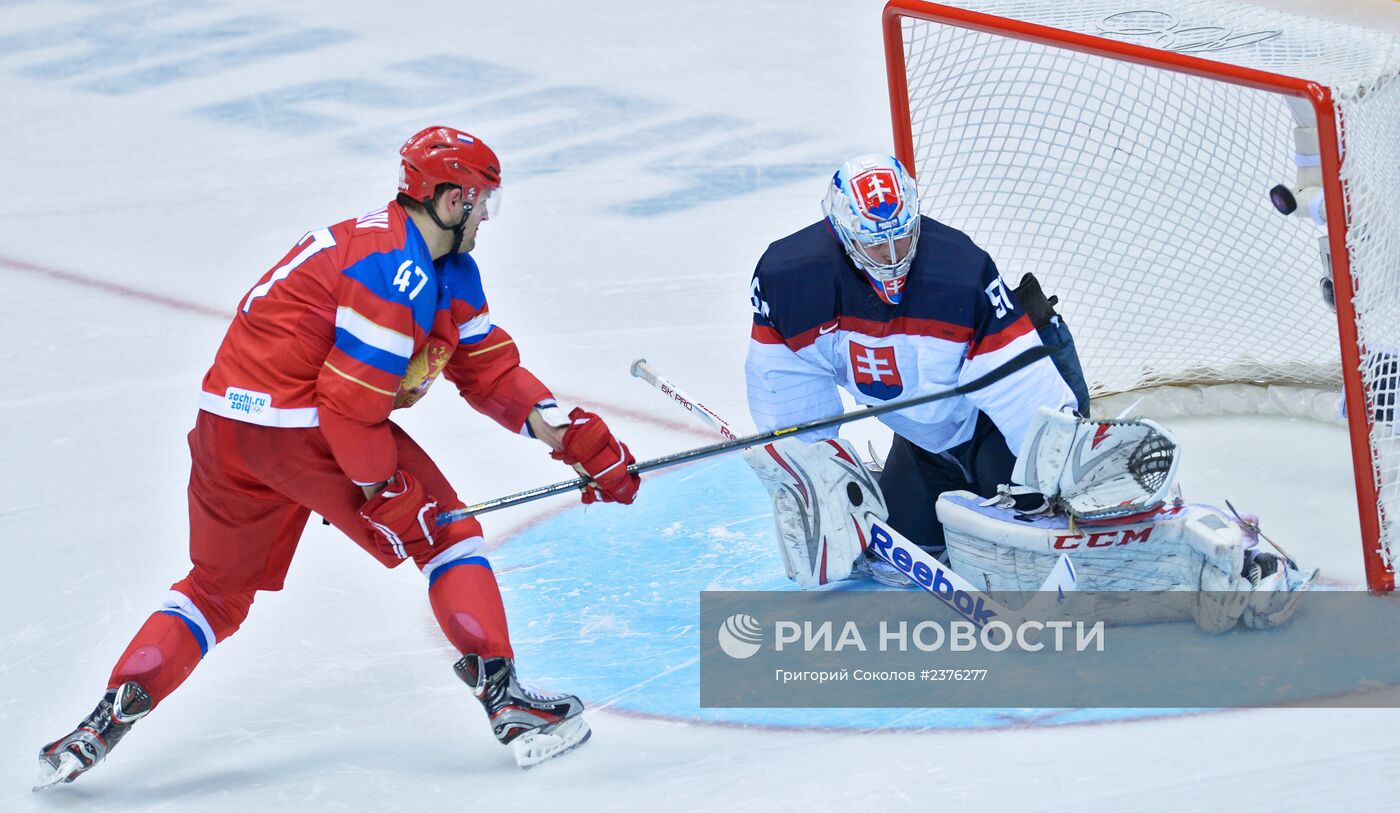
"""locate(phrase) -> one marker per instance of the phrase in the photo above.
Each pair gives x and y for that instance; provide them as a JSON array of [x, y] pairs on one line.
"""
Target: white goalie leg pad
[[1097, 469], [1224, 592], [1277, 586], [1005, 550], [1195, 548], [1266, 588], [817, 490]]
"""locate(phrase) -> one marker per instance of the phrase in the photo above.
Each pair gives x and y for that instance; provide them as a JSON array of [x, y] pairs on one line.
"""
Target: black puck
[[1282, 199]]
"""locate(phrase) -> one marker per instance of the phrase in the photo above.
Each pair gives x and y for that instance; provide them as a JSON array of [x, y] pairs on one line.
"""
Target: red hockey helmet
[[439, 155]]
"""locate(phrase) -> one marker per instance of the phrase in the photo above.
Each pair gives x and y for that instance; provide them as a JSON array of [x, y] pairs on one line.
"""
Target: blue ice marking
[[704, 184], [299, 109], [572, 112], [544, 128], [130, 40], [238, 56], [109, 29], [602, 149]]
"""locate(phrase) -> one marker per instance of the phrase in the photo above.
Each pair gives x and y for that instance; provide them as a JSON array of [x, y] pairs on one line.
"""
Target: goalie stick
[[1015, 364], [922, 569]]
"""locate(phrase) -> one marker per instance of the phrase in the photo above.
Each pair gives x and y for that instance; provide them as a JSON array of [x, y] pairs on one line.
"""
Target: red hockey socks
[[467, 604], [174, 639], [160, 657]]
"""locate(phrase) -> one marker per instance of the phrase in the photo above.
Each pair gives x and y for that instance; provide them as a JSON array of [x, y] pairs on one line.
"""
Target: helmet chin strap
[[459, 230]]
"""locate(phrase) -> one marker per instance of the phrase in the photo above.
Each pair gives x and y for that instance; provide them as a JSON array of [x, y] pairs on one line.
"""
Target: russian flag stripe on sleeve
[[373, 335], [475, 329], [347, 343], [377, 274]]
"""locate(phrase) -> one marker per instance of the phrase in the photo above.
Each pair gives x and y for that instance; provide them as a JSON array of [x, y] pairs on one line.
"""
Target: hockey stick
[[704, 414], [919, 567], [1015, 364], [958, 593]]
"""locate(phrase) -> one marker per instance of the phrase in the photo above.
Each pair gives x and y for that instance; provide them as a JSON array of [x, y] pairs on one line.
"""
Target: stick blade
[[1046, 604]]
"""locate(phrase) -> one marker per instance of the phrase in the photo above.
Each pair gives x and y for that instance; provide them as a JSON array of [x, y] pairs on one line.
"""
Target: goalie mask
[[873, 206]]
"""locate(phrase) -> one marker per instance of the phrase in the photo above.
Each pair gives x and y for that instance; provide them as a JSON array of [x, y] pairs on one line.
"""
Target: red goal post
[[1122, 152]]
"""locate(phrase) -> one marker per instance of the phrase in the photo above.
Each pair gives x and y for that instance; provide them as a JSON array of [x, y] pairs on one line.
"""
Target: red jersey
[[356, 320]]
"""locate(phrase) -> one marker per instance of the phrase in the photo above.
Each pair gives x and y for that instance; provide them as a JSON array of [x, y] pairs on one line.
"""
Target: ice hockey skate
[[881, 572], [68, 758], [536, 725]]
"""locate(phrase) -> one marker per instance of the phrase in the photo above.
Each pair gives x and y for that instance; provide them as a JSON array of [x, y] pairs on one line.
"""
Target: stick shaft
[[885, 542], [702, 413], [1015, 364]]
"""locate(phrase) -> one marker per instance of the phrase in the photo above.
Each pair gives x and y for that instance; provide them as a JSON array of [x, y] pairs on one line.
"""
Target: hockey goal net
[[1125, 153]]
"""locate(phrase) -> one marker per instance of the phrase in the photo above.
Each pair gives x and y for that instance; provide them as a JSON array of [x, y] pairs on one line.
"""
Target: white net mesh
[[1139, 195]]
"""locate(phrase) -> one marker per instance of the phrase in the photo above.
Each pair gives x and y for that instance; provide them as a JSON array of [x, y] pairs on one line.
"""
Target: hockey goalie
[[1101, 491], [887, 304]]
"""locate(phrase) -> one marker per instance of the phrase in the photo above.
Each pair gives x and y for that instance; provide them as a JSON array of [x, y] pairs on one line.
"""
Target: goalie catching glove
[[1097, 470], [1105, 487]]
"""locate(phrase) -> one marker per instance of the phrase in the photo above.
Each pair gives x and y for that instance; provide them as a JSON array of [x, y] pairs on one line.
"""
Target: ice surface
[[159, 155]]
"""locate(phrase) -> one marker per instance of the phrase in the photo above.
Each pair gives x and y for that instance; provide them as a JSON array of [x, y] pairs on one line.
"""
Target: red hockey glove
[[590, 447], [403, 515]]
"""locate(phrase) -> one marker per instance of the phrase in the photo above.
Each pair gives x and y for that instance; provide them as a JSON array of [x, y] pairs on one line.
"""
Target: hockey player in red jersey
[[358, 319]]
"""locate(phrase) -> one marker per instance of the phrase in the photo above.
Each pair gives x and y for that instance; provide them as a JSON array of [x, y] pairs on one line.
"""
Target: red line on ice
[[85, 281]]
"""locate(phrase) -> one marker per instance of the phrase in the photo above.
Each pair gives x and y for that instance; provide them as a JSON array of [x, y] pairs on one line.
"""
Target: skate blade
[[51, 774], [887, 575], [538, 746], [891, 580]]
